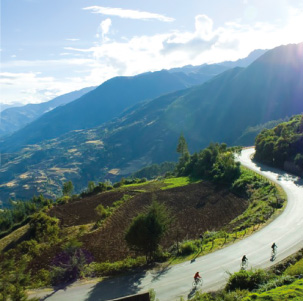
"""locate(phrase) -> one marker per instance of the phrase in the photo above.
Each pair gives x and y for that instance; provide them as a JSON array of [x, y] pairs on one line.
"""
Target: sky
[[52, 47]]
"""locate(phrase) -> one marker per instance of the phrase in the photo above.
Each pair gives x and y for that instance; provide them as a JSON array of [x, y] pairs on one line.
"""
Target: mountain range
[[14, 118], [104, 103], [220, 110]]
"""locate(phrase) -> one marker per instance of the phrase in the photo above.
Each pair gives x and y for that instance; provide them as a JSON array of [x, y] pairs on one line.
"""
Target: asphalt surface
[[174, 281]]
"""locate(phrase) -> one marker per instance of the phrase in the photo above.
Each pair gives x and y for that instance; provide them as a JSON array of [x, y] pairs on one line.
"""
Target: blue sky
[[53, 47]]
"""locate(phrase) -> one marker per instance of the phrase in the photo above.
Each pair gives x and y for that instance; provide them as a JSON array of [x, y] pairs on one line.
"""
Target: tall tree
[[182, 148], [68, 188], [146, 229]]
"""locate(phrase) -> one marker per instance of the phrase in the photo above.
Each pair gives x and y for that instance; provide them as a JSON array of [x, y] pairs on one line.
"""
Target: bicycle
[[198, 283], [274, 253], [244, 265]]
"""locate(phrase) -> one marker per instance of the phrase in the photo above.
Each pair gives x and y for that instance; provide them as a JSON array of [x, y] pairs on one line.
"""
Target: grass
[[292, 291], [13, 237], [221, 241], [178, 182], [161, 184], [263, 196], [296, 269]]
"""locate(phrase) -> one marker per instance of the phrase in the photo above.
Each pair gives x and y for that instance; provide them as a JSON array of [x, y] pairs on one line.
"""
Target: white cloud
[[32, 87], [104, 29], [129, 56], [128, 13], [205, 44], [72, 40], [204, 27]]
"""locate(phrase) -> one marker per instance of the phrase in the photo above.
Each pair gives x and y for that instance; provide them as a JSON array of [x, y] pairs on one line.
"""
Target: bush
[[113, 268], [246, 280], [101, 211], [189, 247], [276, 282], [161, 255], [41, 278], [296, 269], [70, 264], [237, 295], [63, 200], [117, 185], [30, 247], [44, 228]]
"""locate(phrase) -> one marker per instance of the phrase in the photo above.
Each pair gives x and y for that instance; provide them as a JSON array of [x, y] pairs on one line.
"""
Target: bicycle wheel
[[244, 265], [200, 282]]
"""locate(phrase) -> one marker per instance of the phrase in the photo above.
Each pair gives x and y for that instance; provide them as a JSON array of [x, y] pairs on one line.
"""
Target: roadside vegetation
[[284, 281], [110, 229], [282, 146], [19, 212]]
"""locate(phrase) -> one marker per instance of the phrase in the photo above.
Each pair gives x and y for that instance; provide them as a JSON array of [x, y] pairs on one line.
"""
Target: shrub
[[246, 280], [69, 265], [101, 211], [41, 278], [276, 282], [30, 247], [112, 268], [44, 228], [296, 269], [189, 247], [63, 200], [161, 255], [117, 185]]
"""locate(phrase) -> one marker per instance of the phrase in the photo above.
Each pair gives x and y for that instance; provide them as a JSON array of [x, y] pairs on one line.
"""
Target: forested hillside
[[282, 146], [108, 101], [220, 110]]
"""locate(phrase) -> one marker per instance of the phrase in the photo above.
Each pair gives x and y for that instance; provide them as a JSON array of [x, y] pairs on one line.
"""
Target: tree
[[68, 188], [70, 264], [184, 159], [225, 169], [182, 148], [91, 186], [101, 211], [44, 228], [146, 230]]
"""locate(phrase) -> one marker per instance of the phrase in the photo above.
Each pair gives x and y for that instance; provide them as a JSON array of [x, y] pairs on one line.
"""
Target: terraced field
[[195, 207]]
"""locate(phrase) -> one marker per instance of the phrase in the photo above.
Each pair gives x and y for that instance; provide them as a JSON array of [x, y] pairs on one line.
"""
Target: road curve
[[173, 282]]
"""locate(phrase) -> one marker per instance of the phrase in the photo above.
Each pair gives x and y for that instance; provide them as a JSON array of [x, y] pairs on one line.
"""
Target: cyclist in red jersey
[[197, 276]]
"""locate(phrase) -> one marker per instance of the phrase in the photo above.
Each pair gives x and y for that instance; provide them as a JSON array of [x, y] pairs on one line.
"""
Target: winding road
[[175, 281]]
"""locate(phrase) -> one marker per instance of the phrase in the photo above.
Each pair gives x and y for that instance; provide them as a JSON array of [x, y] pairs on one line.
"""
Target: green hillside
[[47, 243], [104, 103], [282, 146]]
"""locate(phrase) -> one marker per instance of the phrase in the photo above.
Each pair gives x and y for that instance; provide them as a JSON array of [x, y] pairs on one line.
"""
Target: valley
[[147, 133]]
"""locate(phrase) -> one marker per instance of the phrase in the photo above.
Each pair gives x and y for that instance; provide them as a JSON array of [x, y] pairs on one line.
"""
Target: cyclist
[[244, 259], [196, 277]]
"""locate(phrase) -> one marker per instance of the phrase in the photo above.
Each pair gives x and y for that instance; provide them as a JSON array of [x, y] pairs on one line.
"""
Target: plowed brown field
[[195, 207]]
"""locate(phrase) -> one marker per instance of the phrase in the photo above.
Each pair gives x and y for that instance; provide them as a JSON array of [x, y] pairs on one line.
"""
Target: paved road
[[176, 281]]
